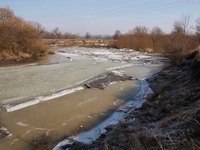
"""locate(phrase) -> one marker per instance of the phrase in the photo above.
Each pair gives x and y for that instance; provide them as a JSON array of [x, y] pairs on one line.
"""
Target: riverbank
[[8, 58], [169, 119], [22, 40]]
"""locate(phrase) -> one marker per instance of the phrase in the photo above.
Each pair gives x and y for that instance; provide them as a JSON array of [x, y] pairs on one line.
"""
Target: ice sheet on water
[[119, 67], [71, 56], [102, 55], [37, 100]]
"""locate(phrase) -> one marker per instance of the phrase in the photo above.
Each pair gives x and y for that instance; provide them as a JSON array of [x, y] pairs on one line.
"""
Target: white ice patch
[[22, 124], [103, 52], [100, 44], [37, 100], [114, 82], [144, 56], [115, 56], [118, 72], [119, 67], [68, 54], [93, 134]]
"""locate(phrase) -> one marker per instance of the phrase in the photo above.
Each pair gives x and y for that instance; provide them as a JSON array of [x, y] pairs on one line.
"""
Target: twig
[[186, 119]]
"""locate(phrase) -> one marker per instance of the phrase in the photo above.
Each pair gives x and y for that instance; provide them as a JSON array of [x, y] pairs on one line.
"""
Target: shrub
[[174, 45], [19, 39]]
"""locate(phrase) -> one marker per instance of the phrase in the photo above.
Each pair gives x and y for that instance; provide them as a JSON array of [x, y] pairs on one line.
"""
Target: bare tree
[[37, 26], [178, 28], [180, 41], [140, 30], [197, 29], [157, 36], [182, 26], [56, 32], [157, 31], [117, 35], [88, 36], [185, 23]]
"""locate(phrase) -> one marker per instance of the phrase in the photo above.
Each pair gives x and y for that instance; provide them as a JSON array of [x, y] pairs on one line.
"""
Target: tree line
[[183, 38], [57, 34]]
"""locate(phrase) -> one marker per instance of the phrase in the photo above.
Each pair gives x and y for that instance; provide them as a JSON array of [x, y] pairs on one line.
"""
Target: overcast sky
[[103, 16]]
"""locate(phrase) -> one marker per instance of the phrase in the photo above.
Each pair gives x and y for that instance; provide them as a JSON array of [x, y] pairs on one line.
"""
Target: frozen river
[[48, 97]]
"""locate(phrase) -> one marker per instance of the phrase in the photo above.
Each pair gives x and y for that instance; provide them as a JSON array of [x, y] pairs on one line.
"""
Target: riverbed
[[49, 97]]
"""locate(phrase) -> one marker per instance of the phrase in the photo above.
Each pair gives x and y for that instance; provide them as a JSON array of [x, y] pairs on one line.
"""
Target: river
[[48, 96]]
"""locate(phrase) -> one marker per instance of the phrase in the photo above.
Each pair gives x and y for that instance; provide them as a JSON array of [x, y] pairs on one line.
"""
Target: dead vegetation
[[19, 39], [175, 45], [168, 120], [81, 43]]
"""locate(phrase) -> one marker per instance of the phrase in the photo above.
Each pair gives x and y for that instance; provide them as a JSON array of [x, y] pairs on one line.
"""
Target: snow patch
[[118, 72]]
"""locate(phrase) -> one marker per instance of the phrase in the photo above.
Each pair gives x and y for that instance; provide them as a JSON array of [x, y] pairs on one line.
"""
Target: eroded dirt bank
[[169, 119]]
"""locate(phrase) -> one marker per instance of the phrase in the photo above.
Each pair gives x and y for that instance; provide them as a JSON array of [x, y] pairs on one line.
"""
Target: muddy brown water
[[66, 115]]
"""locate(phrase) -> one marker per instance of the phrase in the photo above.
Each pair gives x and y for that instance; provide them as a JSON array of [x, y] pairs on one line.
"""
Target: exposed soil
[[169, 119]]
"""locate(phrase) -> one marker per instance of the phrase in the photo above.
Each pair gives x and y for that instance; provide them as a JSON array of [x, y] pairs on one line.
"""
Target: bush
[[174, 45], [19, 39]]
